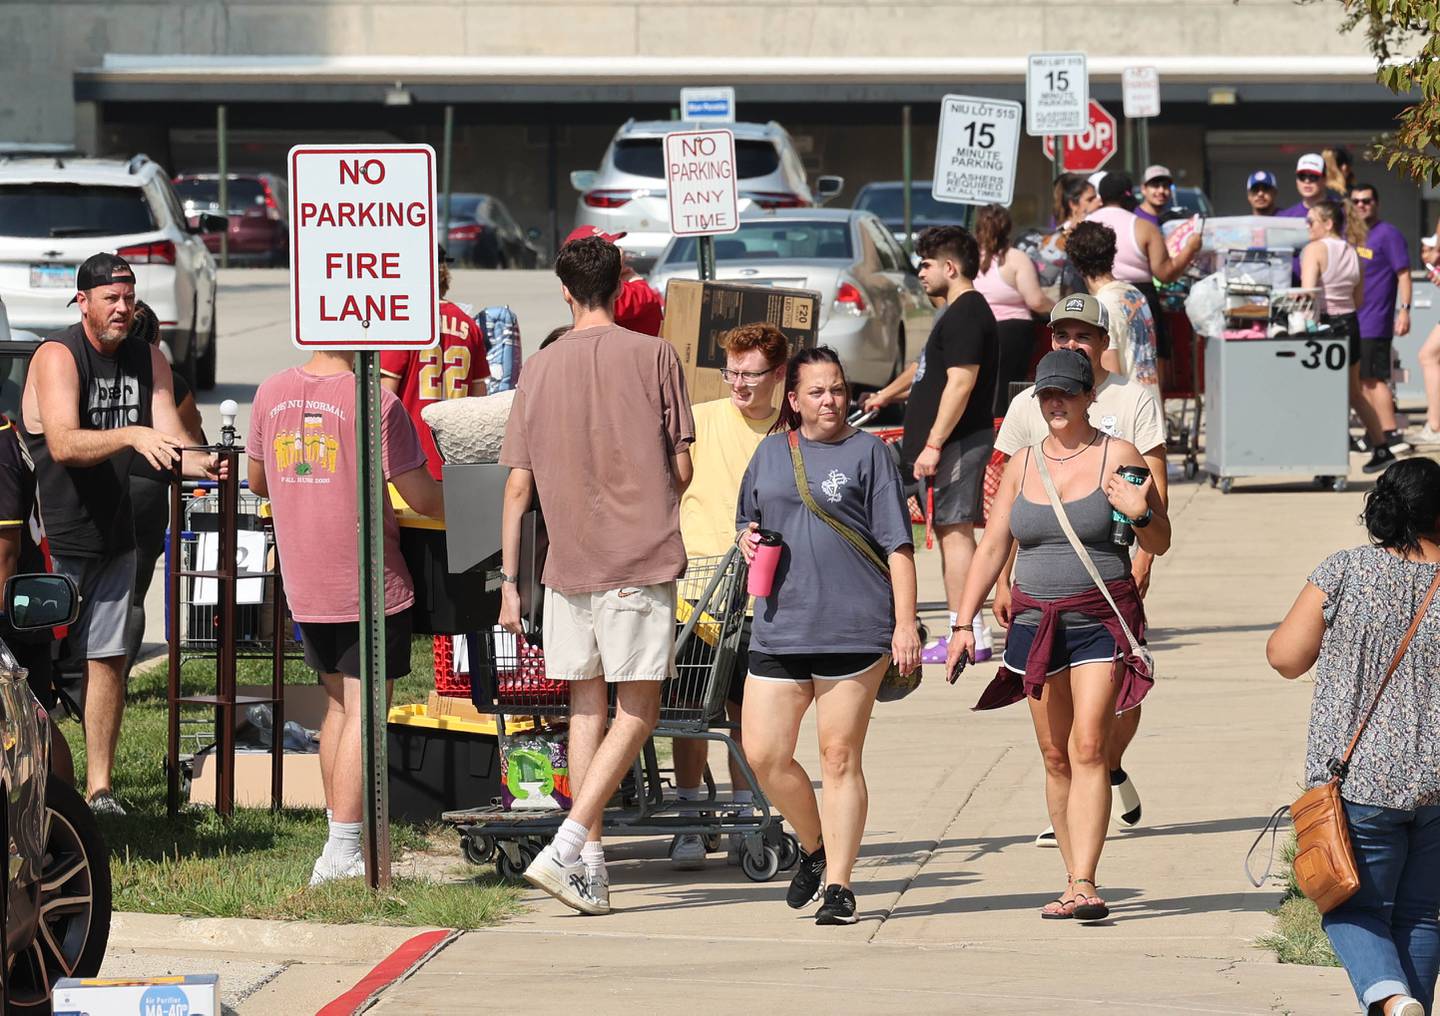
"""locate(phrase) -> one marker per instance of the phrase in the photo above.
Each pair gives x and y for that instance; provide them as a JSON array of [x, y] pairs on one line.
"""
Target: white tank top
[[1340, 275], [1131, 264], [1005, 300]]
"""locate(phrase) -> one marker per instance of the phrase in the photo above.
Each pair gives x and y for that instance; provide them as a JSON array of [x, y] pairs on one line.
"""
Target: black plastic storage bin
[[434, 769]]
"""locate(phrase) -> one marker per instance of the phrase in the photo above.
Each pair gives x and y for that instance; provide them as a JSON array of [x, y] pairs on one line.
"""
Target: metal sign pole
[[907, 177], [222, 185], [705, 257], [370, 497], [1144, 132]]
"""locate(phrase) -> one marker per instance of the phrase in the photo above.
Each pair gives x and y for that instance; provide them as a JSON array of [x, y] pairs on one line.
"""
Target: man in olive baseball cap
[[1081, 307]]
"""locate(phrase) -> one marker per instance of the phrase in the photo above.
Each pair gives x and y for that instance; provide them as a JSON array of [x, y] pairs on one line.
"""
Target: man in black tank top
[[94, 400]]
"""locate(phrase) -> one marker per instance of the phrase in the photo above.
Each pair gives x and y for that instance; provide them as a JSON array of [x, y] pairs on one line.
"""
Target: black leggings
[[1017, 341]]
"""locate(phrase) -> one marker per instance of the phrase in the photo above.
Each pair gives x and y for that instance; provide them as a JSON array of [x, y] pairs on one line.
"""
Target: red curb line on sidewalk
[[395, 967]]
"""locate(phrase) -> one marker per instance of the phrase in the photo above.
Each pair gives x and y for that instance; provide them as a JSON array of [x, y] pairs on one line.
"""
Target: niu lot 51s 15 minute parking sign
[[700, 181], [976, 149], [363, 264]]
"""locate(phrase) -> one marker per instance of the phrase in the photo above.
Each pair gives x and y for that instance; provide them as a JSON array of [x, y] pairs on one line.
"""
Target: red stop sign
[[1087, 152]]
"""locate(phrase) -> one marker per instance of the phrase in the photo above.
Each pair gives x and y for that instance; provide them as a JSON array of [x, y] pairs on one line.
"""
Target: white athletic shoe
[[1125, 803], [568, 883], [599, 880], [1408, 1007], [328, 869], [687, 852], [1427, 436], [1047, 838]]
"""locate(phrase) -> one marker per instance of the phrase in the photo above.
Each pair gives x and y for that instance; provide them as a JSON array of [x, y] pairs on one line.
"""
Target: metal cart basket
[[711, 603]]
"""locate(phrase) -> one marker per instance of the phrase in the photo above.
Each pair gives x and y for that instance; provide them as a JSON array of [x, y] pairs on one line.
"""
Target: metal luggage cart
[[198, 603], [711, 604]]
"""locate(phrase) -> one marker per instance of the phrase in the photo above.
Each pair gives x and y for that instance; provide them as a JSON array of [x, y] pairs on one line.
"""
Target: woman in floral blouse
[[1348, 623]]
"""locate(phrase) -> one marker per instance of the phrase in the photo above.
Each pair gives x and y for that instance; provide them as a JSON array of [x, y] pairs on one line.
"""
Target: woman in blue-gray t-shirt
[[832, 622]]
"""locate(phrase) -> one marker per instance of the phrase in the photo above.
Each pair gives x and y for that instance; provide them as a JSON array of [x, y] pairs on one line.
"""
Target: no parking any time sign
[[363, 260], [700, 179]]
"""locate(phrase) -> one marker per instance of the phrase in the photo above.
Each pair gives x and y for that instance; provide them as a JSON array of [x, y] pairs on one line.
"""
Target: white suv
[[56, 212], [627, 193]]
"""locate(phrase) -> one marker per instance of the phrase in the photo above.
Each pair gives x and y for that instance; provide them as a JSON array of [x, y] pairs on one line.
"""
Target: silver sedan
[[873, 311]]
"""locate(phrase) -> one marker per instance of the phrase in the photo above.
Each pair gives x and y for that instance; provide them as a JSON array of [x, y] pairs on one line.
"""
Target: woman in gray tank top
[[1061, 652]]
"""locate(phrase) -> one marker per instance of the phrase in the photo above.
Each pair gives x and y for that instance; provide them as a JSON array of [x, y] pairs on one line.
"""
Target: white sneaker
[[328, 869], [1407, 1006], [1047, 838], [1125, 803], [599, 881], [568, 883], [687, 852], [1427, 436]]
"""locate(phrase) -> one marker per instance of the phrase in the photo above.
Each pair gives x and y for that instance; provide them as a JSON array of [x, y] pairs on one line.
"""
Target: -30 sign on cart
[[363, 264], [976, 149]]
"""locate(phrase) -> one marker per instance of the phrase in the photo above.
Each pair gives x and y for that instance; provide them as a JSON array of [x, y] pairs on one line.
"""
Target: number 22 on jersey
[[444, 373]]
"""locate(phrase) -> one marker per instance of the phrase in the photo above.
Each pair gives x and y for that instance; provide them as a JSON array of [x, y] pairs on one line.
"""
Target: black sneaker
[[1395, 439], [838, 908], [1358, 443], [805, 885], [1379, 459]]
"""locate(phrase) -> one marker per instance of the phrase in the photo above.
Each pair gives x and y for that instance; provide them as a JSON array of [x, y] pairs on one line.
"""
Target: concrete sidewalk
[[949, 884]]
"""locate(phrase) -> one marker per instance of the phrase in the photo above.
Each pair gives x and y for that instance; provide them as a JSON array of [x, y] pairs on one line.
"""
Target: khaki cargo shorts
[[627, 634]]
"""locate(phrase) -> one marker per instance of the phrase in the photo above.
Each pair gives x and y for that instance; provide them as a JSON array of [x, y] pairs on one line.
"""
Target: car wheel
[[74, 904], [205, 367]]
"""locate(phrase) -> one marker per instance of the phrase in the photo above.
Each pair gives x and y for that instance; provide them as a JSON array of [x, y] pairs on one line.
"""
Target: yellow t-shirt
[[725, 441]]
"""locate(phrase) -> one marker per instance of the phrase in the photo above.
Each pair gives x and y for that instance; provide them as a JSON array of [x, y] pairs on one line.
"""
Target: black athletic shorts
[[810, 666], [736, 692], [335, 648], [1374, 356]]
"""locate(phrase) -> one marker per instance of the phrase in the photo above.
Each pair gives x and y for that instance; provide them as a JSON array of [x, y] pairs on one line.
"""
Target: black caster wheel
[[478, 849], [789, 851]]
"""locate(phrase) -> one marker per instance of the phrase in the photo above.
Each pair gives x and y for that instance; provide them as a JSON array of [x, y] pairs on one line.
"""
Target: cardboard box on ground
[[305, 704], [698, 313]]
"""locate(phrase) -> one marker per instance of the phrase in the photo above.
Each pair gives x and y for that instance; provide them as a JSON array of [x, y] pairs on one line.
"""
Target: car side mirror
[[584, 179], [827, 187], [38, 601]]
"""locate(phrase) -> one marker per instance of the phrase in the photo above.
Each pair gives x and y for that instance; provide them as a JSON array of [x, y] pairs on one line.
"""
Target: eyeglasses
[[750, 378], [1308, 177], [1363, 201]]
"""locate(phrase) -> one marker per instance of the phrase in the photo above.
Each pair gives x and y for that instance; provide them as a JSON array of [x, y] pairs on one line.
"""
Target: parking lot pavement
[[949, 884]]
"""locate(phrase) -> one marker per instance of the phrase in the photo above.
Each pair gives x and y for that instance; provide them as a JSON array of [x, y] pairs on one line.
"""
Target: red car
[[258, 209]]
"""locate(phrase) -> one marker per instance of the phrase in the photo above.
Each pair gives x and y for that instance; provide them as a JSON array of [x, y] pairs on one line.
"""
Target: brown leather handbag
[[1325, 867]]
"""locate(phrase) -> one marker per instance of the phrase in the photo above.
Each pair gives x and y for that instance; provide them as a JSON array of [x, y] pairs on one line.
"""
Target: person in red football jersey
[[638, 307], [452, 369]]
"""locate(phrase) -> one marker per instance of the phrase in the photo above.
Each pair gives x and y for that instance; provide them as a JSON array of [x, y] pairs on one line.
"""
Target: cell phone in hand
[[959, 667]]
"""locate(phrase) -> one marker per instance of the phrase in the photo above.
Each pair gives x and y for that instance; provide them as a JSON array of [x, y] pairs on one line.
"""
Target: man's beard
[[112, 335]]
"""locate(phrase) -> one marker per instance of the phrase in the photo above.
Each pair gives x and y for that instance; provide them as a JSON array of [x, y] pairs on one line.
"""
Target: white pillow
[[470, 429]]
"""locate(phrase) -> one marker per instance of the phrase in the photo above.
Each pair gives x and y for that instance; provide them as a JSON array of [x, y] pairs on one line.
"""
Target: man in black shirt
[[949, 392], [94, 399]]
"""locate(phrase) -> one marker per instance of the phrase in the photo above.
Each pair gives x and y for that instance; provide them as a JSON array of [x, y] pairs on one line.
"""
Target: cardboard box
[[185, 995], [698, 313], [302, 786]]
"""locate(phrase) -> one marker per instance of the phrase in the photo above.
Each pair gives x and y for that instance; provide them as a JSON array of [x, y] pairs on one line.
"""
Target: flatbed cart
[[711, 603]]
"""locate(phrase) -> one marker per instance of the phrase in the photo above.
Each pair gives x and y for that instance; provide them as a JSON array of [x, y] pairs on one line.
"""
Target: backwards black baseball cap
[[101, 270]]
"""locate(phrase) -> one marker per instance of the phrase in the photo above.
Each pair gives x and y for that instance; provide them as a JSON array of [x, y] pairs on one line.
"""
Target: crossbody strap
[[1390, 671], [1079, 547], [802, 484]]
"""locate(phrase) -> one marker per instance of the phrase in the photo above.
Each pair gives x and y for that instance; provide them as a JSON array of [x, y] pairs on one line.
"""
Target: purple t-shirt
[[1141, 212], [1382, 257], [1295, 211]]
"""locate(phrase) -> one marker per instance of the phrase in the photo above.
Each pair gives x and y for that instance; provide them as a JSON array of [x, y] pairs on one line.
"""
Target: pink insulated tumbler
[[762, 567]]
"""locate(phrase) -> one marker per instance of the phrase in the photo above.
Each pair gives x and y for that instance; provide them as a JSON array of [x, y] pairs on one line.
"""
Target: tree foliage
[[1404, 38]]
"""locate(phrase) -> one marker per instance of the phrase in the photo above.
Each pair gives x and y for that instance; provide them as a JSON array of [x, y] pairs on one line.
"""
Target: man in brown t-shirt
[[601, 430]]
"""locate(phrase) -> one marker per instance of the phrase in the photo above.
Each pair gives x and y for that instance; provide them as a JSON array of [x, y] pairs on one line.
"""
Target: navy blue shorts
[[1071, 647]]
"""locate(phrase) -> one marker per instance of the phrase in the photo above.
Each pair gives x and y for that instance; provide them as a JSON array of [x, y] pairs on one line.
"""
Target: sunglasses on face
[[1363, 201], [1308, 177]]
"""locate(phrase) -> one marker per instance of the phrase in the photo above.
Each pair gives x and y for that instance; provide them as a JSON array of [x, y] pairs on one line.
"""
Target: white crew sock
[[688, 794], [569, 841], [983, 638], [344, 841], [593, 854]]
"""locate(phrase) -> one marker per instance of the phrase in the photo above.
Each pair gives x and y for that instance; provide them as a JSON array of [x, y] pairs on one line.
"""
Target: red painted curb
[[389, 970]]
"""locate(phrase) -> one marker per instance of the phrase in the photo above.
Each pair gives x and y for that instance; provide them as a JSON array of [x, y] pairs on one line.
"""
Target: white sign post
[[1141, 89], [708, 105], [1057, 94], [976, 151], [363, 265], [700, 183], [364, 276]]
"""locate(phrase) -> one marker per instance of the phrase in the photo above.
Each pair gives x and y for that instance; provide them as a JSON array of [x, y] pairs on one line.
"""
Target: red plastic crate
[[447, 682]]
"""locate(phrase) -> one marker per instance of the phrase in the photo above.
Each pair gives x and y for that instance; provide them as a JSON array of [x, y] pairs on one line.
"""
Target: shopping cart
[[1186, 382], [507, 679]]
